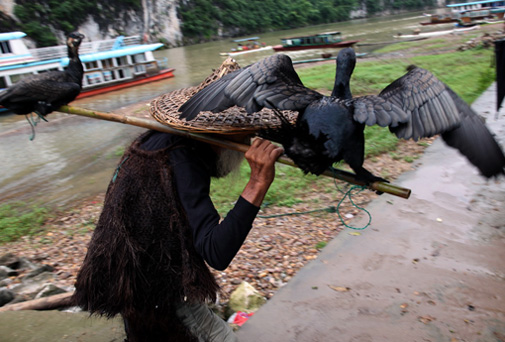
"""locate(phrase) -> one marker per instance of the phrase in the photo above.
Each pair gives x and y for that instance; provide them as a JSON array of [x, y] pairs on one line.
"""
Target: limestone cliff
[[155, 20]]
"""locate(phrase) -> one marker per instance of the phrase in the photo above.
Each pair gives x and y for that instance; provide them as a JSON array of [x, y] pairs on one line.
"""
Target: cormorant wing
[[52, 89], [42, 87], [433, 108], [374, 110], [271, 82], [429, 105], [473, 139]]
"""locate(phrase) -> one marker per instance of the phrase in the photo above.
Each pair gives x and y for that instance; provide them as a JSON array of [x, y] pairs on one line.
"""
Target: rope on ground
[[333, 209], [33, 122]]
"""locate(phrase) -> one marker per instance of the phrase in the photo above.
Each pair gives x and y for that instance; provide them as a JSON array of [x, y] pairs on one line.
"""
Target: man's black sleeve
[[217, 242]]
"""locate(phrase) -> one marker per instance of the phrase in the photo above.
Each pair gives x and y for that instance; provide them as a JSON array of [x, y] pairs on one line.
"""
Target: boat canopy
[[124, 51], [498, 3], [11, 35], [334, 33], [246, 39]]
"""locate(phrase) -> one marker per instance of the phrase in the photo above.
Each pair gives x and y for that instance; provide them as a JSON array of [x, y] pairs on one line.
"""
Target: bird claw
[[368, 178], [41, 116]]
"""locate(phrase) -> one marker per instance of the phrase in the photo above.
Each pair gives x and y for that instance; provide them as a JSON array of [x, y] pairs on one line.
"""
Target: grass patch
[[289, 187], [17, 220]]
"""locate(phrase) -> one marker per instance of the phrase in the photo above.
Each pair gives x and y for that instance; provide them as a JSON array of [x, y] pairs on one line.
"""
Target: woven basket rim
[[234, 120]]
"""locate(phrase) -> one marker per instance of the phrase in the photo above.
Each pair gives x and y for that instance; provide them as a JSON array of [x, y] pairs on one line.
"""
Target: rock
[[26, 264], [246, 298], [6, 296], [10, 260], [33, 285], [38, 271], [49, 290], [5, 282], [6, 272]]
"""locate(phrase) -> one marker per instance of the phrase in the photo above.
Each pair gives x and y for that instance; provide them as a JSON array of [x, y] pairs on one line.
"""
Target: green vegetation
[[17, 220], [202, 19], [37, 17], [290, 183]]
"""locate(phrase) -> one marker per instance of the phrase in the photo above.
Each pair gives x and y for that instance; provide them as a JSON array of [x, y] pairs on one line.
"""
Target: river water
[[72, 158]]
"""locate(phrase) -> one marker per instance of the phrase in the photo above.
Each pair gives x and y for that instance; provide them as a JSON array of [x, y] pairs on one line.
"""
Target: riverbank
[[275, 250]]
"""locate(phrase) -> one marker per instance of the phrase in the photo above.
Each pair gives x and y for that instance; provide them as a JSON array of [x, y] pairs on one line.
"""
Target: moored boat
[[440, 19], [246, 45], [317, 41], [108, 64], [467, 13], [436, 33]]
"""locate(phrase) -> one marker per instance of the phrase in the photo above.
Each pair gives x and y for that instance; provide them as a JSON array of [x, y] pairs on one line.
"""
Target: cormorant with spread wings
[[331, 128]]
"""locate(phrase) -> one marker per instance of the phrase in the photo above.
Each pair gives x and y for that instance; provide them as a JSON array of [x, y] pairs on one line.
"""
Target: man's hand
[[261, 157]]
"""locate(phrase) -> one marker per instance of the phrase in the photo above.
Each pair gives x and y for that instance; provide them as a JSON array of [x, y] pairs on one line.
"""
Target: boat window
[[93, 78], [139, 58], [124, 73], [121, 60], [16, 78], [140, 68], [43, 71], [91, 65], [108, 63], [108, 76], [3, 83], [5, 47]]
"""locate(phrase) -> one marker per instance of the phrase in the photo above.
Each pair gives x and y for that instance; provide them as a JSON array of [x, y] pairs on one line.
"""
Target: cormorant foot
[[368, 178]]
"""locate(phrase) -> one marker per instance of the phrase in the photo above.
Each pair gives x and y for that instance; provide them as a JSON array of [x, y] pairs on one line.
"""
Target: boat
[[317, 41], [246, 45], [467, 13], [456, 30], [440, 19], [108, 64]]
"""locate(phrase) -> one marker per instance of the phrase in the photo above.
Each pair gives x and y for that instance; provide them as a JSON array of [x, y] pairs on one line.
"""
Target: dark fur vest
[[141, 257]]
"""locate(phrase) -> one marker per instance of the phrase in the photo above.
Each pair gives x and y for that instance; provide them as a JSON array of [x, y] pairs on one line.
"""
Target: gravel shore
[[281, 242]]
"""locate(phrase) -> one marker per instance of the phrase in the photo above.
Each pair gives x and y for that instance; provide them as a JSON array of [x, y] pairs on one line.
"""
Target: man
[[158, 225]]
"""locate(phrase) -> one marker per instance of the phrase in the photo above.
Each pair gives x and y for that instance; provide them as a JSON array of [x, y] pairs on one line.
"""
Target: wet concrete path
[[430, 268]]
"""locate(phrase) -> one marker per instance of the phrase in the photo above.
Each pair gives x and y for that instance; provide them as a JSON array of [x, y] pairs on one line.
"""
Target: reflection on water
[[72, 157]]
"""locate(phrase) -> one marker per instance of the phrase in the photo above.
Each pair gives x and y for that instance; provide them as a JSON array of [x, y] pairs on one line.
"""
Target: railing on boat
[[60, 51]]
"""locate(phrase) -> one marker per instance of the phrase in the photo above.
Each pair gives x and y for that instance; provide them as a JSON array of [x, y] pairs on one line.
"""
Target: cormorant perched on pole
[[331, 128], [46, 92]]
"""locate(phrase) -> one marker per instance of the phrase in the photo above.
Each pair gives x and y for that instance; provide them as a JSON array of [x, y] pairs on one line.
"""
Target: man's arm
[[261, 157], [218, 242]]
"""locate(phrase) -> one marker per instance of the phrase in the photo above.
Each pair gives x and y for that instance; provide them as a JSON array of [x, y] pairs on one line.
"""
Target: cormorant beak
[[75, 39]]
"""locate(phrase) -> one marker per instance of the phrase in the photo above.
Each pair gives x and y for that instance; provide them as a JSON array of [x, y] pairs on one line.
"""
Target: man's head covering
[[234, 120]]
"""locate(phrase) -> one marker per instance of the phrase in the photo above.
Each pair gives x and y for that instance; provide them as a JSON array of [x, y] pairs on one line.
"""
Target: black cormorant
[[331, 128], [45, 92]]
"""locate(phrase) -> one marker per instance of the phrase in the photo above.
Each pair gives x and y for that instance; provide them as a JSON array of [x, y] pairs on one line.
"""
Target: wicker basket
[[233, 120]]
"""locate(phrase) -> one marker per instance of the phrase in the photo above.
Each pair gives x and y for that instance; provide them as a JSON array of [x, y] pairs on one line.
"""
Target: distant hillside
[[206, 19], [175, 22], [48, 21]]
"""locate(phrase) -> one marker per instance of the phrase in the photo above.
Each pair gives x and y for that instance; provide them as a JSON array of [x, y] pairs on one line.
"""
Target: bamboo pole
[[207, 138]]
